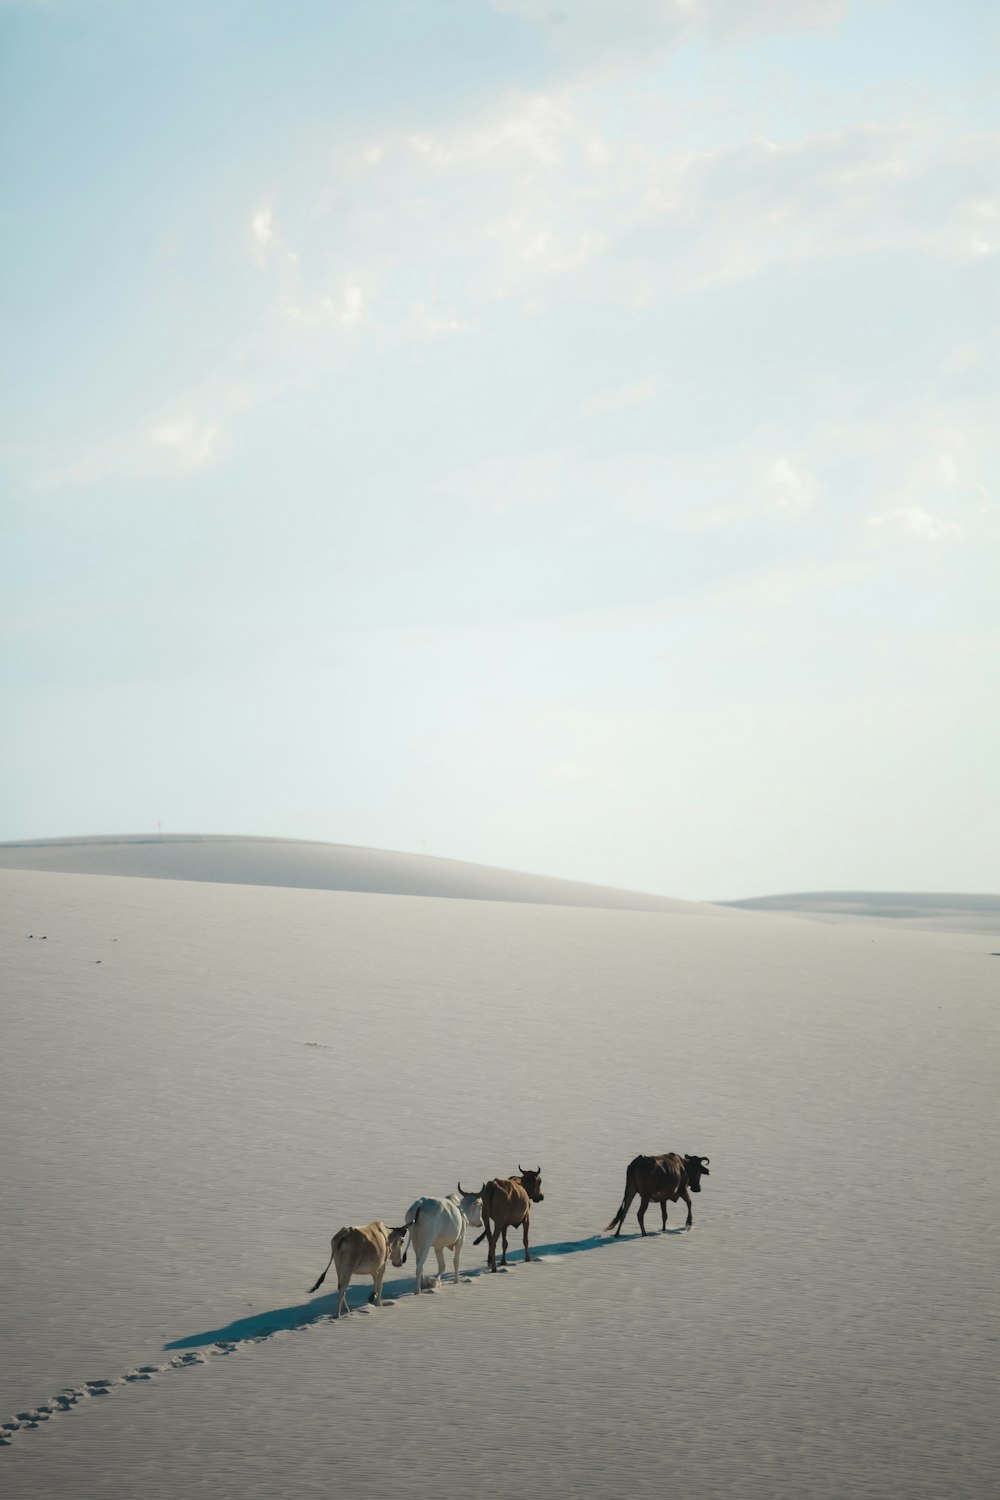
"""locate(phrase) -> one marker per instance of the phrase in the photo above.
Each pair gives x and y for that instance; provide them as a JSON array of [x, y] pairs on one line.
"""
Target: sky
[[549, 433]]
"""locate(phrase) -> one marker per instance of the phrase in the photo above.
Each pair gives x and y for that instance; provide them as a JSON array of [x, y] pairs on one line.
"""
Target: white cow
[[439, 1224]]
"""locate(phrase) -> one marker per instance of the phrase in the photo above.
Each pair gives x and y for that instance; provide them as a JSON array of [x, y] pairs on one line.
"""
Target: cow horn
[[463, 1194], [704, 1160], [520, 1169], [538, 1170]]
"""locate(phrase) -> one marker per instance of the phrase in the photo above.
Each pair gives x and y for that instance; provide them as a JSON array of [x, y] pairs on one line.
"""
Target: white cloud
[[194, 444], [173, 445], [347, 307], [977, 645], [267, 243], [435, 324], [262, 226], [544, 199], [914, 520], [788, 488], [604, 35]]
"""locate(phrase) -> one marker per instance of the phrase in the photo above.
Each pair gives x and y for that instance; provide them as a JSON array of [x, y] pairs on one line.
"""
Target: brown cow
[[362, 1252], [660, 1179], [507, 1202]]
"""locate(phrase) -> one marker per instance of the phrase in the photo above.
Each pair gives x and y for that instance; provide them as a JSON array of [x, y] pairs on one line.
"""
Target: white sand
[[188, 1120]]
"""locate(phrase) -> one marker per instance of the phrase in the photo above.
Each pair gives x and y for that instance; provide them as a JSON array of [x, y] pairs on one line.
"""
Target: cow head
[[532, 1183], [397, 1244], [471, 1205], [696, 1167]]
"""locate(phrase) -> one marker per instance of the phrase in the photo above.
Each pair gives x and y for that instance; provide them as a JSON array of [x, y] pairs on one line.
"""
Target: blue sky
[[551, 435]]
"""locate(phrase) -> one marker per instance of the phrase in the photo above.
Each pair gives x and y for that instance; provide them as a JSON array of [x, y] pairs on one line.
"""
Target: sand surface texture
[[201, 1082]]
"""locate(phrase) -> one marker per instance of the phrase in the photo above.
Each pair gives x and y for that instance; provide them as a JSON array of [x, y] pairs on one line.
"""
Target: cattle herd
[[502, 1204]]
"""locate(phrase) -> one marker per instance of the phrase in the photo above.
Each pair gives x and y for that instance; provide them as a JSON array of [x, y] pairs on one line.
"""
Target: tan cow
[[362, 1252], [506, 1204]]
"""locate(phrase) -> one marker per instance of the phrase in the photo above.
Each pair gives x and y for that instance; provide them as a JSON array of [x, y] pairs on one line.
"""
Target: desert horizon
[[320, 864]]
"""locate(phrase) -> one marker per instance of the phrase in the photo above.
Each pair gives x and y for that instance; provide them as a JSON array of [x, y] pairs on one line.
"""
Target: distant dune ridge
[[234, 860], [929, 910]]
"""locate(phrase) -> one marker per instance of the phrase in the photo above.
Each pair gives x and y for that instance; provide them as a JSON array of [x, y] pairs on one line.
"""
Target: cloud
[[266, 244], [434, 325], [605, 35], [977, 645], [914, 520], [174, 445], [788, 487], [923, 470], [731, 214], [262, 226], [562, 196], [194, 444]]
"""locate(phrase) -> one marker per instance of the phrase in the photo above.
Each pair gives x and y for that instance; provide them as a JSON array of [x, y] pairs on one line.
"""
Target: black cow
[[660, 1179]]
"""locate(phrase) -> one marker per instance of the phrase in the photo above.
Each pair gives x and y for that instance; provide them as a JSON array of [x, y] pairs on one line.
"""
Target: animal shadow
[[265, 1325]]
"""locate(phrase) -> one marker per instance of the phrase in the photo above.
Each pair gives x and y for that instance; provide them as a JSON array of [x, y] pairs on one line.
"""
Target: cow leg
[[378, 1277], [663, 1206], [440, 1258], [457, 1251], [418, 1285], [503, 1258], [527, 1252], [643, 1205], [687, 1199], [343, 1282]]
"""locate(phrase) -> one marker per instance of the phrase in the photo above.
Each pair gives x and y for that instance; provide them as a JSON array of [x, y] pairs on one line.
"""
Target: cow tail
[[619, 1218], [319, 1283], [617, 1221]]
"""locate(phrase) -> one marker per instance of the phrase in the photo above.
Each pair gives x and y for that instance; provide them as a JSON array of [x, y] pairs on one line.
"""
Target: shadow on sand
[[283, 1319]]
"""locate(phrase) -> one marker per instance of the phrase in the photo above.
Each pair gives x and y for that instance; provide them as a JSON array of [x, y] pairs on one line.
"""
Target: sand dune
[[314, 866], [921, 910], [200, 1082]]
